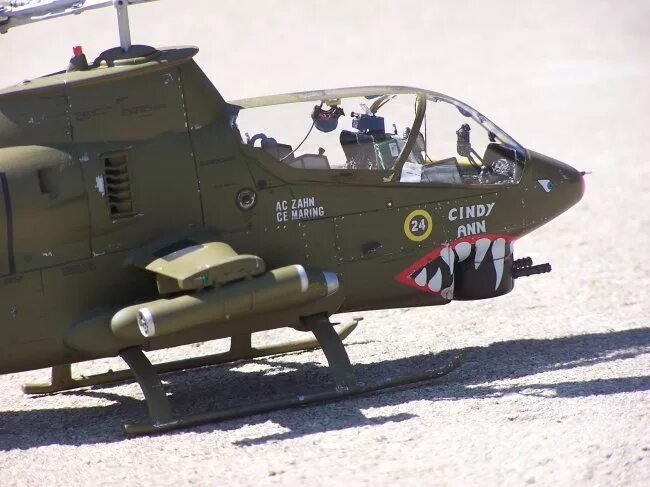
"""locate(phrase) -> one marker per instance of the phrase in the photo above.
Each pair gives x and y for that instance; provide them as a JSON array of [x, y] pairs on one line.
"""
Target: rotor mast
[[123, 25]]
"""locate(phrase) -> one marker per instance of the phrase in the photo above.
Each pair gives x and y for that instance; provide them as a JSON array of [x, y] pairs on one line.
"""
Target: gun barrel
[[523, 262], [530, 271]]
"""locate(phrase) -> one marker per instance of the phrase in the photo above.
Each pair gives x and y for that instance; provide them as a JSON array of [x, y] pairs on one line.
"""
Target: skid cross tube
[[240, 349], [294, 401], [161, 418], [332, 346], [339, 367], [160, 411]]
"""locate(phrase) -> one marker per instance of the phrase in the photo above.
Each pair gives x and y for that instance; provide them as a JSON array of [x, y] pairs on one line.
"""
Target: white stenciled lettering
[[469, 212], [307, 213], [307, 202], [473, 228], [301, 209], [281, 213]]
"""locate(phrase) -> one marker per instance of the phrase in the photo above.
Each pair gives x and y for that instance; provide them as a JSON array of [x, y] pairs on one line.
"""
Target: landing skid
[[162, 419], [164, 422], [240, 349]]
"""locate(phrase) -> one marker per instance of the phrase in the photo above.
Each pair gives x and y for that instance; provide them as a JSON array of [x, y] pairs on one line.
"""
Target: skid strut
[[161, 417], [292, 401], [332, 346], [160, 411], [240, 349], [339, 366]]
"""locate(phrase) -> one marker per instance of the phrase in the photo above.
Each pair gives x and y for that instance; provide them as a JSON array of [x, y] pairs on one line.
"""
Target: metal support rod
[[154, 393], [61, 380], [339, 363], [240, 349], [241, 345], [259, 407], [122, 8]]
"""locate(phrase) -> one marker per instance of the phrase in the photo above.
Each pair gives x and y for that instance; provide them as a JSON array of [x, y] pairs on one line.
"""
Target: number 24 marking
[[418, 225]]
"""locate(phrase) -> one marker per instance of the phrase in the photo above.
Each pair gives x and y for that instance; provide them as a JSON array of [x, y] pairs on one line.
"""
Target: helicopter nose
[[571, 182], [562, 186], [582, 183]]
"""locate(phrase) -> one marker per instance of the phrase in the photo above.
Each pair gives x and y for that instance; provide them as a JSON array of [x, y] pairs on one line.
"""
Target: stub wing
[[197, 266]]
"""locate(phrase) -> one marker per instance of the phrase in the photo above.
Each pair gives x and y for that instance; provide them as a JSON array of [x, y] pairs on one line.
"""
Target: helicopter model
[[139, 210]]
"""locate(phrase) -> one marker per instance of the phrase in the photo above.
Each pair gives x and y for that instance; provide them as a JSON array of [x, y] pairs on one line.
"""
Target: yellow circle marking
[[418, 225]]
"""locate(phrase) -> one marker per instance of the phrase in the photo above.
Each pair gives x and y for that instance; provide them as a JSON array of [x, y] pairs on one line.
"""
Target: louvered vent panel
[[118, 186]]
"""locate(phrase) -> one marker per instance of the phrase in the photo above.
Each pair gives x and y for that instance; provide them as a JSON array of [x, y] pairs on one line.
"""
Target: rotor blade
[[14, 13]]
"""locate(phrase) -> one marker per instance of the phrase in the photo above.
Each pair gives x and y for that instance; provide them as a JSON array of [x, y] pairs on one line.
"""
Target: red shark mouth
[[434, 273]]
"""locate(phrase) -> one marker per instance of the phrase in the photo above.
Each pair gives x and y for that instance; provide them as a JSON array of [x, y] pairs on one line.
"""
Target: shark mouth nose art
[[481, 257]]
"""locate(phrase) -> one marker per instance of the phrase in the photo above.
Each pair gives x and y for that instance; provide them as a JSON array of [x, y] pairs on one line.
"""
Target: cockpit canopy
[[407, 135]]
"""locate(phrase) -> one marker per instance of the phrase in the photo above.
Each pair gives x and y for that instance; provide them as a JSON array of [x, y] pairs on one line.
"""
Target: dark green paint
[[70, 258]]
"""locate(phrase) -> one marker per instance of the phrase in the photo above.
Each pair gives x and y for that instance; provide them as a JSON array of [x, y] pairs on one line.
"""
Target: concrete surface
[[556, 386]]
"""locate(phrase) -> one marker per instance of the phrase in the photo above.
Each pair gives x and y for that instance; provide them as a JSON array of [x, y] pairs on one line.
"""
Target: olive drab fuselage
[[101, 170]]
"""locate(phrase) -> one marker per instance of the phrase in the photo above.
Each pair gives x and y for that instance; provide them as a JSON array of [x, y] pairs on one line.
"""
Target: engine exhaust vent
[[118, 186]]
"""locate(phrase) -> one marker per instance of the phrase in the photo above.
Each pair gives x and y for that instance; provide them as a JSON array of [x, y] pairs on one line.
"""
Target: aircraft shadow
[[212, 388]]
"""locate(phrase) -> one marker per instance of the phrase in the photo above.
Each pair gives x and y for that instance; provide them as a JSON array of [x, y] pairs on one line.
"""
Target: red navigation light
[[78, 50]]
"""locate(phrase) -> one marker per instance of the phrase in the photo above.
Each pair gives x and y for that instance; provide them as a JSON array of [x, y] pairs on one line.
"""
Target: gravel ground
[[555, 388]]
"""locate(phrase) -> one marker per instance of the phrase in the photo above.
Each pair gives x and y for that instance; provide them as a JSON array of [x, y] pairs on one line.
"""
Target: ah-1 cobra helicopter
[[139, 210]]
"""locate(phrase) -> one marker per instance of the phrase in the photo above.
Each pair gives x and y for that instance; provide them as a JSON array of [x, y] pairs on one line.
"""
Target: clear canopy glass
[[409, 135]]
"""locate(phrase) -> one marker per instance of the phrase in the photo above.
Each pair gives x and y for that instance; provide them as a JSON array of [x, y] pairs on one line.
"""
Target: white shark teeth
[[482, 245], [421, 278], [448, 292], [463, 249], [433, 275], [498, 254], [436, 282], [449, 257]]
